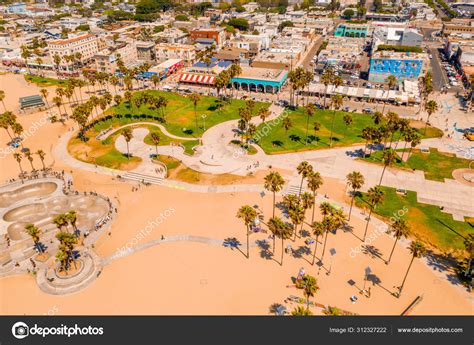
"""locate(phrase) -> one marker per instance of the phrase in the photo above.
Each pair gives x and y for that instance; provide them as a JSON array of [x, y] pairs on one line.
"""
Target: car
[[431, 56], [367, 110], [346, 109]]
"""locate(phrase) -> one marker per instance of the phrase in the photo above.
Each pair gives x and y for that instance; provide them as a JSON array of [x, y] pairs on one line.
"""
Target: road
[[440, 78]]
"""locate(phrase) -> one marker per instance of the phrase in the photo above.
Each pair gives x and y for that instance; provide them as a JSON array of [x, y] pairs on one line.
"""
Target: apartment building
[[217, 35], [166, 51], [86, 45]]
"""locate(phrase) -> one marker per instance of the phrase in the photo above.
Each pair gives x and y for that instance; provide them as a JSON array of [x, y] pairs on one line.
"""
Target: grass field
[[427, 222], [165, 140], [279, 140], [180, 115], [436, 165], [44, 81]]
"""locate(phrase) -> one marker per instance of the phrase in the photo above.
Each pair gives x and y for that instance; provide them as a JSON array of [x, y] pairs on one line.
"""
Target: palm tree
[[67, 243], [377, 117], [26, 54], [195, 98], [44, 93], [247, 214], [307, 201], [318, 230], [39, 62], [310, 110], [71, 218], [234, 71], [415, 141], [296, 215], [41, 154], [469, 246], [34, 232], [17, 157], [281, 230], [60, 221], [263, 113], [29, 157], [2, 98], [355, 180], [336, 102], [287, 124], [57, 61], [301, 311], [58, 102], [326, 79], [314, 182], [304, 169], [391, 81], [274, 183], [327, 224], [388, 157], [400, 229], [375, 196], [155, 138], [127, 135], [5, 123], [348, 121], [431, 107], [63, 258], [417, 250], [309, 284]]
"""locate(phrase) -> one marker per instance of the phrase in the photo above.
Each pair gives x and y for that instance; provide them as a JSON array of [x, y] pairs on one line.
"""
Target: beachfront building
[[404, 66], [86, 45], [166, 68], [166, 51], [396, 36], [216, 36], [264, 80], [352, 30], [202, 74]]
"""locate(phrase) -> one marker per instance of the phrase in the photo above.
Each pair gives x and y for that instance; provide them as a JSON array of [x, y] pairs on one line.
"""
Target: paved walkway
[[161, 127]]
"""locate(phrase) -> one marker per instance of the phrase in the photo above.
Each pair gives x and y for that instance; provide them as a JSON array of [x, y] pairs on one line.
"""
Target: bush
[[402, 49], [182, 18], [239, 23]]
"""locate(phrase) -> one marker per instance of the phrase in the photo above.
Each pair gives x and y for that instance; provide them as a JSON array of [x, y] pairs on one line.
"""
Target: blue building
[[404, 66], [260, 79], [18, 8], [351, 30]]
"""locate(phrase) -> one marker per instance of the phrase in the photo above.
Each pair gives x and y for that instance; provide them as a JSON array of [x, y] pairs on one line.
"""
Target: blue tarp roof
[[220, 63]]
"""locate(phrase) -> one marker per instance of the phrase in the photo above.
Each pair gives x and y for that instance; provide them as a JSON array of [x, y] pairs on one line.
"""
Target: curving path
[[161, 127]]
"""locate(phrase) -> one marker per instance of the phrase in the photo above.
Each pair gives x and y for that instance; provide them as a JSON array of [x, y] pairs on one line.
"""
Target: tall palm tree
[[195, 98], [347, 121], [355, 180], [25, 54], [41, 154], [155, 138], [375, 196], [318, 230], [377, 117], [314, 182], [307, 202], [287, 124], [60, 221], [388, 157], [400, 229], [431, 107], [310, 110], [336, 102], [17, 157], [327, 78], [417, 250], [309, 284], [71, 218], [45, 93], [273, 183], [391, 81], [296, 215], [5, 124], [127, 135], [247, 214], [263, 113], [328, 224], [304, 169], [29, 157], [301, 311], [281, 230], [34, 232], [2, 98]]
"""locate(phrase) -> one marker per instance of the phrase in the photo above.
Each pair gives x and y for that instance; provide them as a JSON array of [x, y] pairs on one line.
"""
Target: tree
[[314, 182], [304, 169], [391, 81], [25, 54], [399, 229], [17, 157], [239, 23], [349, 13], [417, 250], [281, 230], [34, 232], [327, 79], [301, 311], [327, 225], [44, 93], [431, 107], [247, 214], [57, 61], [29, 157], [287, 124], [263, 113], [2, 98], [296, 215], [41, 156], [347, 121], [318, 230], [60, 221], [336, 102], [155, 138], [355, 180], [5, 122], [274, 183], [310, 111], [195, 98], [127, 135], [71, 218], [388, 157], [309, 284], [375, 196], [377, 117]]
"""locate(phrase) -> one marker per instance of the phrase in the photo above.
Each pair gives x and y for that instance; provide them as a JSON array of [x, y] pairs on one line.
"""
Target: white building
[[86, 45]]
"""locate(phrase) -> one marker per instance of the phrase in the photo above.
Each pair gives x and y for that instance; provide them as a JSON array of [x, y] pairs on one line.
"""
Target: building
[[217, 35], [166, 68], [458, 26], [166, 51], [86, 45], [404, 66], [352, 30], [200, 73], [260, 79], [396, 36], [146, 51]]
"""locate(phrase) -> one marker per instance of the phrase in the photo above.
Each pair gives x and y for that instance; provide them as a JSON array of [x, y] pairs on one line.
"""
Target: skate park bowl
[[25, 192]]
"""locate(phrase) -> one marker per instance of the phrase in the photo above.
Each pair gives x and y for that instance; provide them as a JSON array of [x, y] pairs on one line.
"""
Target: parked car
[[367, 110]]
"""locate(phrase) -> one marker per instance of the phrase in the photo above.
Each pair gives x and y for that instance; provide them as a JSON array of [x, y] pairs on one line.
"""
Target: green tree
[[281, 230], [399, 229], [127, 135], [355, 180], [247, 214], [375, 196], [417, 250]]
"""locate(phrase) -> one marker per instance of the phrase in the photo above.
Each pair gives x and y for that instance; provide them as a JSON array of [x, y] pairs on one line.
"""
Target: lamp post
[[204, 120]]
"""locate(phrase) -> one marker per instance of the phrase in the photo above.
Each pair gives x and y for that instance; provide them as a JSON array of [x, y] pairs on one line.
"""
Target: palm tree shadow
[[232, 242], [301, 252], [304, 233], [372, 251], [444, 263], [265, 252], [376, 281], [278, 309], [450, 228], [350, 229]]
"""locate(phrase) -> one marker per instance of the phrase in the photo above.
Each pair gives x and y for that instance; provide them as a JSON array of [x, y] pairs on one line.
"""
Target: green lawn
[[278, 140], [180, 115], [165, 140], [44, 81], [427, 222], [436, 165]]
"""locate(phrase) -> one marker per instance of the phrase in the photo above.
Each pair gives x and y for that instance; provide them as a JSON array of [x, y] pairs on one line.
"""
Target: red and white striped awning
[[197, 78]]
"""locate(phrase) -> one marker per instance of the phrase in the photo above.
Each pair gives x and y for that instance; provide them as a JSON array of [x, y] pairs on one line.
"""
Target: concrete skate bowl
[[464, 176], [25, 192]]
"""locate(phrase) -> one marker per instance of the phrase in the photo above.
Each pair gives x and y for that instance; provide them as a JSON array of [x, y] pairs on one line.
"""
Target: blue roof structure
[[214, 62]]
